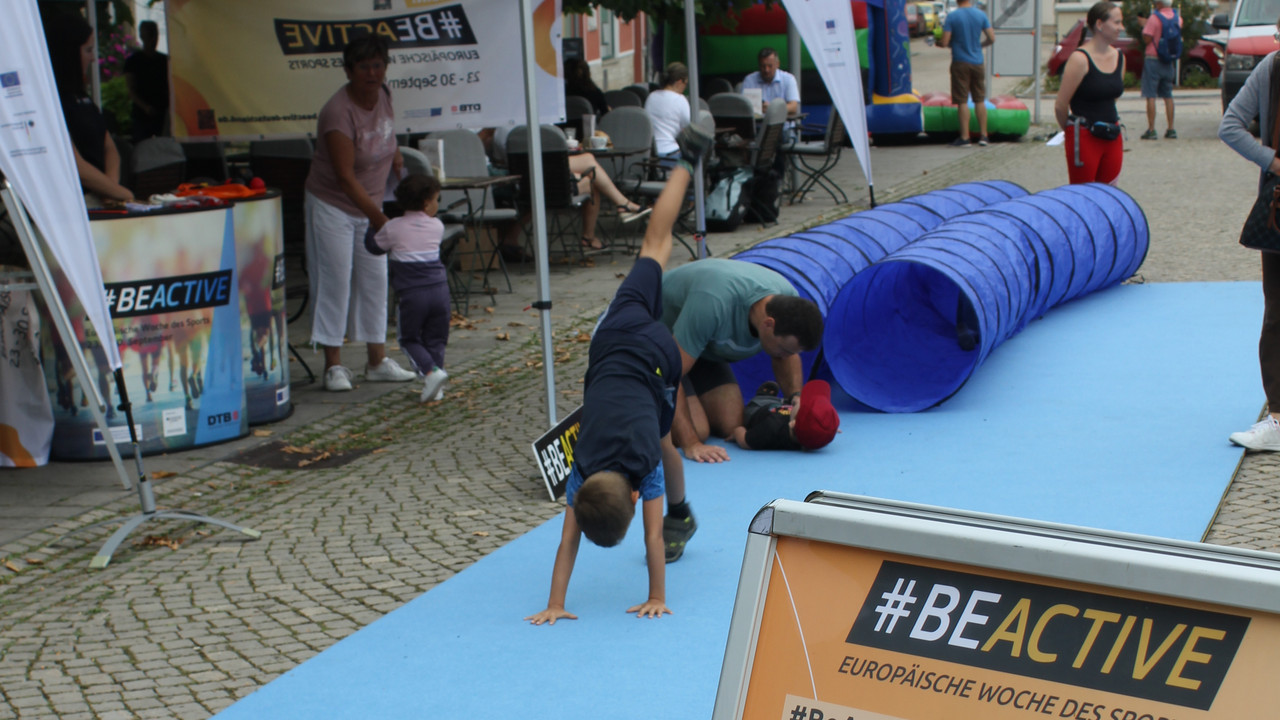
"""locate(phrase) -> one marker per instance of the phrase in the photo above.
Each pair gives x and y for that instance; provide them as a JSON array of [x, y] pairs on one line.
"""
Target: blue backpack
[[1169, 46]]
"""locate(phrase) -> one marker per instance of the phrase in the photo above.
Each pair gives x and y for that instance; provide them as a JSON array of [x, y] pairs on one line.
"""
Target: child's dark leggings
[[424, 324]]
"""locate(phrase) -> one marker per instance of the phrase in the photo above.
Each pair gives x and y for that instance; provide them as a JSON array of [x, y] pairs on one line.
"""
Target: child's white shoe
[[433, 385]]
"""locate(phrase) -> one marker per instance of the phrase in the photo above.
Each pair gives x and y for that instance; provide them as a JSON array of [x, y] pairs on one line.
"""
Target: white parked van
[[1251, 32]]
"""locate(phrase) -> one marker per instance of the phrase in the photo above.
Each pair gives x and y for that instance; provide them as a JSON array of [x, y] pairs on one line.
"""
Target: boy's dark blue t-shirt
[[632, 373]]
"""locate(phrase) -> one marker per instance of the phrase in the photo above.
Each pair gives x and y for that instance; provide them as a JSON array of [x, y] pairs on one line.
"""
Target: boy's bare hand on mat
[[550, 616], [650, 608]]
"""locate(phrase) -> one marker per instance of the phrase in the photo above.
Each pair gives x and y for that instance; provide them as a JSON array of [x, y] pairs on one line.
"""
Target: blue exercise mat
[[1111, 412]]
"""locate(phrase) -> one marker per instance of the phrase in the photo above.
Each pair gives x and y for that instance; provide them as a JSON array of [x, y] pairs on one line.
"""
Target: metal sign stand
[[146, 497]]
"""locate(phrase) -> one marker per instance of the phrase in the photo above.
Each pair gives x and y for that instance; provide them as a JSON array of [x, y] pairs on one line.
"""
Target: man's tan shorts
[[968, 80]]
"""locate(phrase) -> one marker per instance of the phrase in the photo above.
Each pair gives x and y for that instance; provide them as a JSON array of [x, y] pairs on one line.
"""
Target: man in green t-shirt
[[721, 311]]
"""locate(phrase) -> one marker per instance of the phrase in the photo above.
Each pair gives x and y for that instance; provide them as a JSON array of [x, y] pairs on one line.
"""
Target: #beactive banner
[[246, 68], [892, 637], [173, 290]]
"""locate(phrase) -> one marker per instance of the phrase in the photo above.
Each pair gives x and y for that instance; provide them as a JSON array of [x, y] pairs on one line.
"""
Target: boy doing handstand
[[628, 402]]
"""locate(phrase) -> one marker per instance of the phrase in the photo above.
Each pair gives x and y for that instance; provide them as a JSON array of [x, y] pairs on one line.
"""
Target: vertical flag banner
[[242, 68], [36, 157], [826, 26]]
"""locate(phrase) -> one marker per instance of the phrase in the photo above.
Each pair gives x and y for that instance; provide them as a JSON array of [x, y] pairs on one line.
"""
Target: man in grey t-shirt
[[721, 311]]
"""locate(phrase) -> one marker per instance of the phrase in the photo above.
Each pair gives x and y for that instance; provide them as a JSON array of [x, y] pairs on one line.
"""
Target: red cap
[[817, 421]]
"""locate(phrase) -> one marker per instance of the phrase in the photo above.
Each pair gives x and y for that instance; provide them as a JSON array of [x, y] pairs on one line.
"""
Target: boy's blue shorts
[[652, 486]]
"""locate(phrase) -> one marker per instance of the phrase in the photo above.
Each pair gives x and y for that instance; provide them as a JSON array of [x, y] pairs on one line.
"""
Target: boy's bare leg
[[657, 238]]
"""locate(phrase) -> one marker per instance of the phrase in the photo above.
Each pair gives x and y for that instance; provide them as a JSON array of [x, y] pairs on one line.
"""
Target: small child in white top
[[421, 281]]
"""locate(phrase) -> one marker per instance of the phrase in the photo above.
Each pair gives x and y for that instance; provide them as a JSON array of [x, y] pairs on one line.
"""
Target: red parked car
[[1203, 58]]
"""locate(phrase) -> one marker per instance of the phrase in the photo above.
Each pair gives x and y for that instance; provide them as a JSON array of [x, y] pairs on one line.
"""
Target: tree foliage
[[708, 11], [1193, 13]]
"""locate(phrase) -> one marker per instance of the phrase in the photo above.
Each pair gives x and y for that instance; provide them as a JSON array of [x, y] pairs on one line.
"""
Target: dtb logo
[[223, 418]]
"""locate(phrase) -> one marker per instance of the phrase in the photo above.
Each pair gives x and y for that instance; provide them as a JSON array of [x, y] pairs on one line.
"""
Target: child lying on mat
[[808, 423], [628, 403]]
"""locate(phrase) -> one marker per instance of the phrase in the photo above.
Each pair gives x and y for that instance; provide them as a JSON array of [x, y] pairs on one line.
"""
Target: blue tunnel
[[905, 334], [819, 262]]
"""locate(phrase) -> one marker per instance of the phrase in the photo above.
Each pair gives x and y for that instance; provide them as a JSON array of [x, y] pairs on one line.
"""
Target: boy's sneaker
[[960, 142], [982, 141], [388, 371], [439, 395], [1171, 134], [1149, 135], [337, 379], [433, 386], [1264, 435], [675, 534], [694, 143]]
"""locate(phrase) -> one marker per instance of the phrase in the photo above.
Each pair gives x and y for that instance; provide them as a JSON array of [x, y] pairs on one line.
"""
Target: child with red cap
[[809, 423]]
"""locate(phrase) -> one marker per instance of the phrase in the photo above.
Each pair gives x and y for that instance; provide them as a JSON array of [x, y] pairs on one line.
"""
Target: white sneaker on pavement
[[337, 379], [1264, 435], [388, 371], [433, 386]]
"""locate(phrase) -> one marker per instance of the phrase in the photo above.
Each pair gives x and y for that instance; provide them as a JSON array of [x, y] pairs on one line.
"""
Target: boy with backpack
[[1163, 36]]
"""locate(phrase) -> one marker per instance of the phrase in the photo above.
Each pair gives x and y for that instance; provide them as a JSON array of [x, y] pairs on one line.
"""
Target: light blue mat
[[1111, 412]]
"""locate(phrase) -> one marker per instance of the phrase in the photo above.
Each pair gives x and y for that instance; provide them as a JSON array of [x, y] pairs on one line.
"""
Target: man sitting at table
[[775, 84]]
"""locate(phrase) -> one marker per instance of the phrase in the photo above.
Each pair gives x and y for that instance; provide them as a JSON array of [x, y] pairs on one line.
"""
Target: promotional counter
[[197, 302]]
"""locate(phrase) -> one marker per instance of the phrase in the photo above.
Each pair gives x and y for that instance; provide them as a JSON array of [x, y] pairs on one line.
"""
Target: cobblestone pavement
[[186, 620]]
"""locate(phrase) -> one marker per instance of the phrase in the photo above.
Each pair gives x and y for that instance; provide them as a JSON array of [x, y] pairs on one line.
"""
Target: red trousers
[[1100, 159]]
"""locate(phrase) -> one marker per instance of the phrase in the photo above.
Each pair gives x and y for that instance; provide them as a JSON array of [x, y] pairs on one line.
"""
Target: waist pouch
[[1099, 128]]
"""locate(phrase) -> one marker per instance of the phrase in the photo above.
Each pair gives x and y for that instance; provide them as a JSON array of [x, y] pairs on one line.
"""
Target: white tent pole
[[53, 301], [537, 201], [699, 199]]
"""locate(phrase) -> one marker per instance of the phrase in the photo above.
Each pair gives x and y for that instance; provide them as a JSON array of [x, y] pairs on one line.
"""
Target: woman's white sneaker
[[388, 371], [1264, 435], [433, 385], [337, 379]]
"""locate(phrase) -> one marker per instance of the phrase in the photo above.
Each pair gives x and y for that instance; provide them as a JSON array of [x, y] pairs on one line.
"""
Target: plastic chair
[[641, 91], [714, 86], [653, 188], [415, 162], [824, 155], [733, 113], [464, 157], [158, 165], [622, 98], [206, 160], [631, 130], [560, 185], [766, 165]]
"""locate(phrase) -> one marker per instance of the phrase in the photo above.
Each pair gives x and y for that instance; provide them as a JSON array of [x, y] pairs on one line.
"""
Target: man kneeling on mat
[[628, 403]]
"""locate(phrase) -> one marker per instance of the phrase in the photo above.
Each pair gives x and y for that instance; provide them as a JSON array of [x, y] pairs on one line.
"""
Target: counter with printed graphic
[[851, 607], [259, 233], [172, 284]]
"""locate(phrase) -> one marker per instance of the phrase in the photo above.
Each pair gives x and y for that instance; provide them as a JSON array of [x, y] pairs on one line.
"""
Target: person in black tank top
[[1092, 80]]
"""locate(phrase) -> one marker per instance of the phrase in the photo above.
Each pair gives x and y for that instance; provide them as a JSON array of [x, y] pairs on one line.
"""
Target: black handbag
[[1261, 229]]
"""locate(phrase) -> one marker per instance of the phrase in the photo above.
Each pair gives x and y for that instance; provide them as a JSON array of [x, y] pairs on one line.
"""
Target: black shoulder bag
[[1261, 229]]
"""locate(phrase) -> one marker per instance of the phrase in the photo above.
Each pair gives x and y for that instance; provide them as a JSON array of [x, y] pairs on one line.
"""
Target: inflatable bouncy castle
[[894, 110]]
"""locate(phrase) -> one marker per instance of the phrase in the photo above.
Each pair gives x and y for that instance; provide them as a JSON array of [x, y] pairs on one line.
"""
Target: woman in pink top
[[355, 153]]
